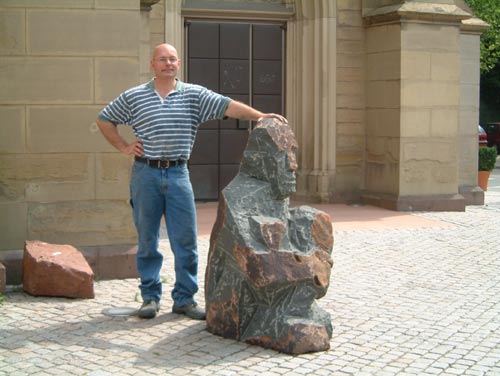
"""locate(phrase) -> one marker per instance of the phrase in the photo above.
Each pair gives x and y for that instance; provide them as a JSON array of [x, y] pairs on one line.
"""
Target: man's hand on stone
[[275, 116]]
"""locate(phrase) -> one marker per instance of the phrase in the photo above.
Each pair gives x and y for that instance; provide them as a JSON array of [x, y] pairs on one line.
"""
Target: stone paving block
[[433, 287]]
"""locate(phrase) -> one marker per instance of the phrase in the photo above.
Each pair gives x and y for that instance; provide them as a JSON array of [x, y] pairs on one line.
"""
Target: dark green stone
[[268, 263]]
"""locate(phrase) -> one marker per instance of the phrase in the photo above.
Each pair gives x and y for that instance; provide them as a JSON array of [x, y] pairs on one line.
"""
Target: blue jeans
[[165, 192]]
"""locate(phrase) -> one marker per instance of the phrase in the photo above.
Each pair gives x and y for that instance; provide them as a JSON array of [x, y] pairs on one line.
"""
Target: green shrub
[[487, 158]]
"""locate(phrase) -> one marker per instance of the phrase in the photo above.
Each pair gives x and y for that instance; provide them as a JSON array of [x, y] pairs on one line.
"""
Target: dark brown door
[[243, 61]]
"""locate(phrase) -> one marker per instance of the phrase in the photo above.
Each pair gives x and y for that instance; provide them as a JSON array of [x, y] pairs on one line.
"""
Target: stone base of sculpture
[[268, 263]]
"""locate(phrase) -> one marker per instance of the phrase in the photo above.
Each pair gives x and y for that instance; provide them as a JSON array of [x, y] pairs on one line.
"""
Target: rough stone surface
[[267, 263], [56, 270]]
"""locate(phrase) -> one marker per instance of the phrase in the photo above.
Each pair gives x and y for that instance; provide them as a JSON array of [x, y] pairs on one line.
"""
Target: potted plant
[[487, 160]]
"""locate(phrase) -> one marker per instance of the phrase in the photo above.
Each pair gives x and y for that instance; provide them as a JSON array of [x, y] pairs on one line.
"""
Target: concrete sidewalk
[[415, 294], [344, 217]]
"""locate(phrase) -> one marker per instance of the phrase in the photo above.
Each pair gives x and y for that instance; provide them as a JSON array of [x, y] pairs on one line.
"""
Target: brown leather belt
[[160, 163]]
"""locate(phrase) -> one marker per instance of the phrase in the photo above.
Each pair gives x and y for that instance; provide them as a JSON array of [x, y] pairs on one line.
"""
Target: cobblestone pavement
[[414, 301]]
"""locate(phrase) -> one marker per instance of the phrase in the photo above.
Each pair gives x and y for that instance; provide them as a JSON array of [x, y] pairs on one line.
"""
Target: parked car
[[493, 134], [482, 135]]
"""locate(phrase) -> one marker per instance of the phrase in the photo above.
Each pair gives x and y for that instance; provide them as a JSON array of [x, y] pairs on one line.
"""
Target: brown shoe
[[191, 310]]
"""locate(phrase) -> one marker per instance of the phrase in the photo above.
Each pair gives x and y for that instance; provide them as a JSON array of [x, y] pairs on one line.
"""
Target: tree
[[489, 11]]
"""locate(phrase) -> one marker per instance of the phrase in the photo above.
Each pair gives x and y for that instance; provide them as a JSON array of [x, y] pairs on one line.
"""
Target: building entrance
[[244, 61]]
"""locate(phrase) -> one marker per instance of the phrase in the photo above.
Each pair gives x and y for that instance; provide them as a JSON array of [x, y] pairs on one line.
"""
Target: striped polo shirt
[[167, 127]]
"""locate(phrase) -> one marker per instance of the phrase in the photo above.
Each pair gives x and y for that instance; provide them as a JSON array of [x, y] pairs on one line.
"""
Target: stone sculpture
[[268, 263]]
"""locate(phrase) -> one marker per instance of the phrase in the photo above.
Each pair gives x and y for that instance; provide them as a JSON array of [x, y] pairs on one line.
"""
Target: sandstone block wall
[[421, 101], [430, 91], [60, 63], [350, 118], [157, 25], [383, 108], [469, 108], [413, 96]]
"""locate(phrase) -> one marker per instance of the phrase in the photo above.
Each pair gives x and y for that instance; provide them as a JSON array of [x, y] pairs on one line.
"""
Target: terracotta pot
[[482, 179]]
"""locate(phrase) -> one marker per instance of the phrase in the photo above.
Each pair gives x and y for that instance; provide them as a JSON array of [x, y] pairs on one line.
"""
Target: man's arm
[[110, 132], [240, 110]]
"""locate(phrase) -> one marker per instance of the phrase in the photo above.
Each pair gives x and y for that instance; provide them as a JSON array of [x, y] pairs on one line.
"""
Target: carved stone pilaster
[[311, 63], [174, 28]]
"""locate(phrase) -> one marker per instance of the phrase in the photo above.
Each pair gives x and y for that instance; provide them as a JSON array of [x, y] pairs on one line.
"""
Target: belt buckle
[[163, 163]]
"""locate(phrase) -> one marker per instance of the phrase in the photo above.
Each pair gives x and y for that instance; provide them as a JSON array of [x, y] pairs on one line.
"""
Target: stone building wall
[[416, 92], [350, 119], [384, 106], [430, 96], [311, 94], [469, 110], [157, 24], [60, 181]]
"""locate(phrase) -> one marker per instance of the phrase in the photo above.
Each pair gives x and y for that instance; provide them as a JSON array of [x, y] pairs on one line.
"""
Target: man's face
[[165, 62]]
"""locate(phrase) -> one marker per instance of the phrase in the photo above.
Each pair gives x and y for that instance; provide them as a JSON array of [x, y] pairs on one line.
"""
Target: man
[[165, 114]]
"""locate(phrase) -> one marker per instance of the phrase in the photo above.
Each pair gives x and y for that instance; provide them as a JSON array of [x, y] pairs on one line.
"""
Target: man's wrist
[[123, 148], [259, 115]]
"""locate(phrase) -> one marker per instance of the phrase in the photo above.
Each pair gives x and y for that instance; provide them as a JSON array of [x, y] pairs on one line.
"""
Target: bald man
[[165, 114]]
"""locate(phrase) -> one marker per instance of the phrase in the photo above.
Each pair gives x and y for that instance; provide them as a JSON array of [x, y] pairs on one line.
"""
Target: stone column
[[413, 87], [145, 37], [469, 110], [311, 105], [174, 28]]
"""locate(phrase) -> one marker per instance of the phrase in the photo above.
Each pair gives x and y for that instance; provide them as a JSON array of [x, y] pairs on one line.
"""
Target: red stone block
[[56, 270]]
